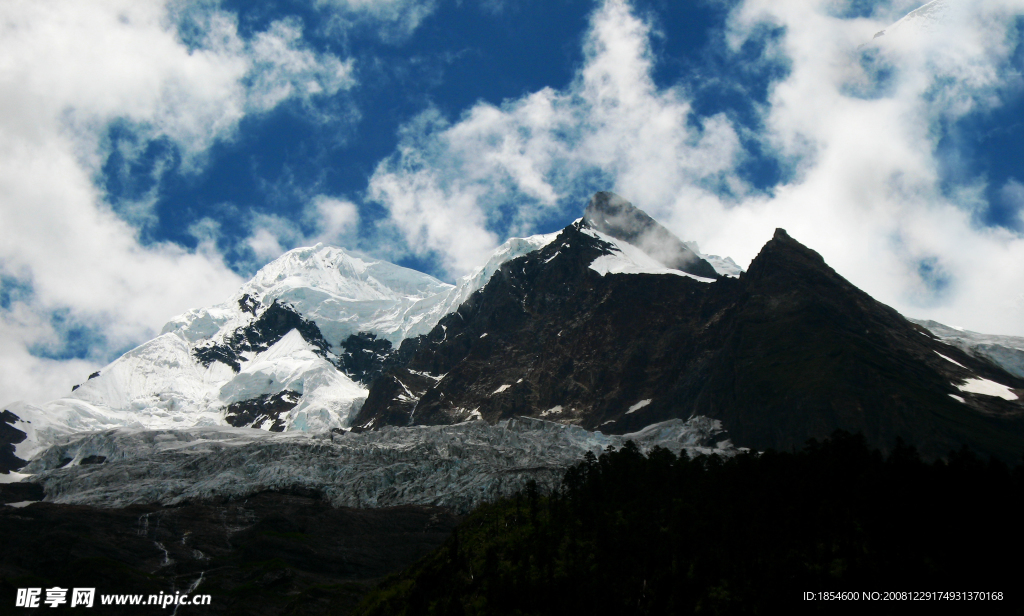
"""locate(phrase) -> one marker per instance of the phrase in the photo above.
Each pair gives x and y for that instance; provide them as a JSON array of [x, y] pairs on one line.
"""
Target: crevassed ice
[[457, 466]]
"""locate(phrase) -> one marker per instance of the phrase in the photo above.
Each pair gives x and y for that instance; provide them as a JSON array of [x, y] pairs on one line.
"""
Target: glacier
[[457, 466], [1007, 352]]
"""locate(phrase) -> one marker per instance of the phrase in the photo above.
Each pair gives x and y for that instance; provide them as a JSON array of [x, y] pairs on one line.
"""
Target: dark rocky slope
[[259, 335], [9, 437], [789, 351]]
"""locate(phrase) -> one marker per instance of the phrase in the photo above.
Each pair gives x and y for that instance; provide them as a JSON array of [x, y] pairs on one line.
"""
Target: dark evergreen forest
[[629, 533]]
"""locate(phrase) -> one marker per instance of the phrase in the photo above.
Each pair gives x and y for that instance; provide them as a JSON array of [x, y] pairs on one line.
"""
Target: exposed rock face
[[789, 351], [262, 412], [366, 356], [260, 335], [20, 492], [611, 214], [271, 553], [9, 437]]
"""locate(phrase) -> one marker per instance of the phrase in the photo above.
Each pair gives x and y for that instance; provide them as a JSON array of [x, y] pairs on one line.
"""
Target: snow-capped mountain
[[613, 326], [337, 291], [297, 346], [272, 356]]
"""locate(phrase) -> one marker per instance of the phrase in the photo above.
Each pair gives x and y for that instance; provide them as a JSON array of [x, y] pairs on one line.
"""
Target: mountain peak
[[612, 215], [785, 256]]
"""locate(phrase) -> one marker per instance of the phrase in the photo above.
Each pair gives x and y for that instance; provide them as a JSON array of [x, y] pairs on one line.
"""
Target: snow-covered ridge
[[921, 20], [723, 265], [477, 279], [342, 293]]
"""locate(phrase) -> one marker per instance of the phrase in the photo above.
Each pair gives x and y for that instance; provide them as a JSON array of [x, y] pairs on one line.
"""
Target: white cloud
[[394, 20], [68, 70], [335, 219], [868, 194], [453, 189], [266, 238], [324, 219], [27, 376], [284, 69], [868, 189]]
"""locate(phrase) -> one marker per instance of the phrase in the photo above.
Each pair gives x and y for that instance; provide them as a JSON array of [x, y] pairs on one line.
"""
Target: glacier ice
[[457, 466], [1007, 352]]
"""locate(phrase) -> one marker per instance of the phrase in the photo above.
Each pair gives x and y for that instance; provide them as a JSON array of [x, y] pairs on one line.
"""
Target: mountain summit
[[614, 216]]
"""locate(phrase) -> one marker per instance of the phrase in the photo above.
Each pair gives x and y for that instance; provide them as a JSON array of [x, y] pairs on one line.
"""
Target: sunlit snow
[[638, 406], [986, 387], [628, 259]]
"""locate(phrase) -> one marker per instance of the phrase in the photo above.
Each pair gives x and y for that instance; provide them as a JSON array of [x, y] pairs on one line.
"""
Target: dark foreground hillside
[[269, 554], [657, 534]]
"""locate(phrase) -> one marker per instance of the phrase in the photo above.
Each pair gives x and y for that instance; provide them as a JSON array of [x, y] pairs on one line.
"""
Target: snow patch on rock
[[950, 360], [986, 387], [638, 406], [628, 259]]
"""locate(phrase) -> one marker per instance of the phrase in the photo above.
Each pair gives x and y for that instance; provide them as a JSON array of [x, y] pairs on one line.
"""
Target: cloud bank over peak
[[866, 125], [861, 126], [455, 189]]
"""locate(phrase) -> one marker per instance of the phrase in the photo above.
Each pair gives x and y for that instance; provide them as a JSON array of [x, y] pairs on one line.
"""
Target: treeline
[[666, 534]]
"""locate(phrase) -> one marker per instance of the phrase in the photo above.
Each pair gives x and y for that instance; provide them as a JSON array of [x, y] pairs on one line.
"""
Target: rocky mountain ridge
[[787, 351]]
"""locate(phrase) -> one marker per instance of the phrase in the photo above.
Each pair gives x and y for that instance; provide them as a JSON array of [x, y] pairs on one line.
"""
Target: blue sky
[[154, 155]]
